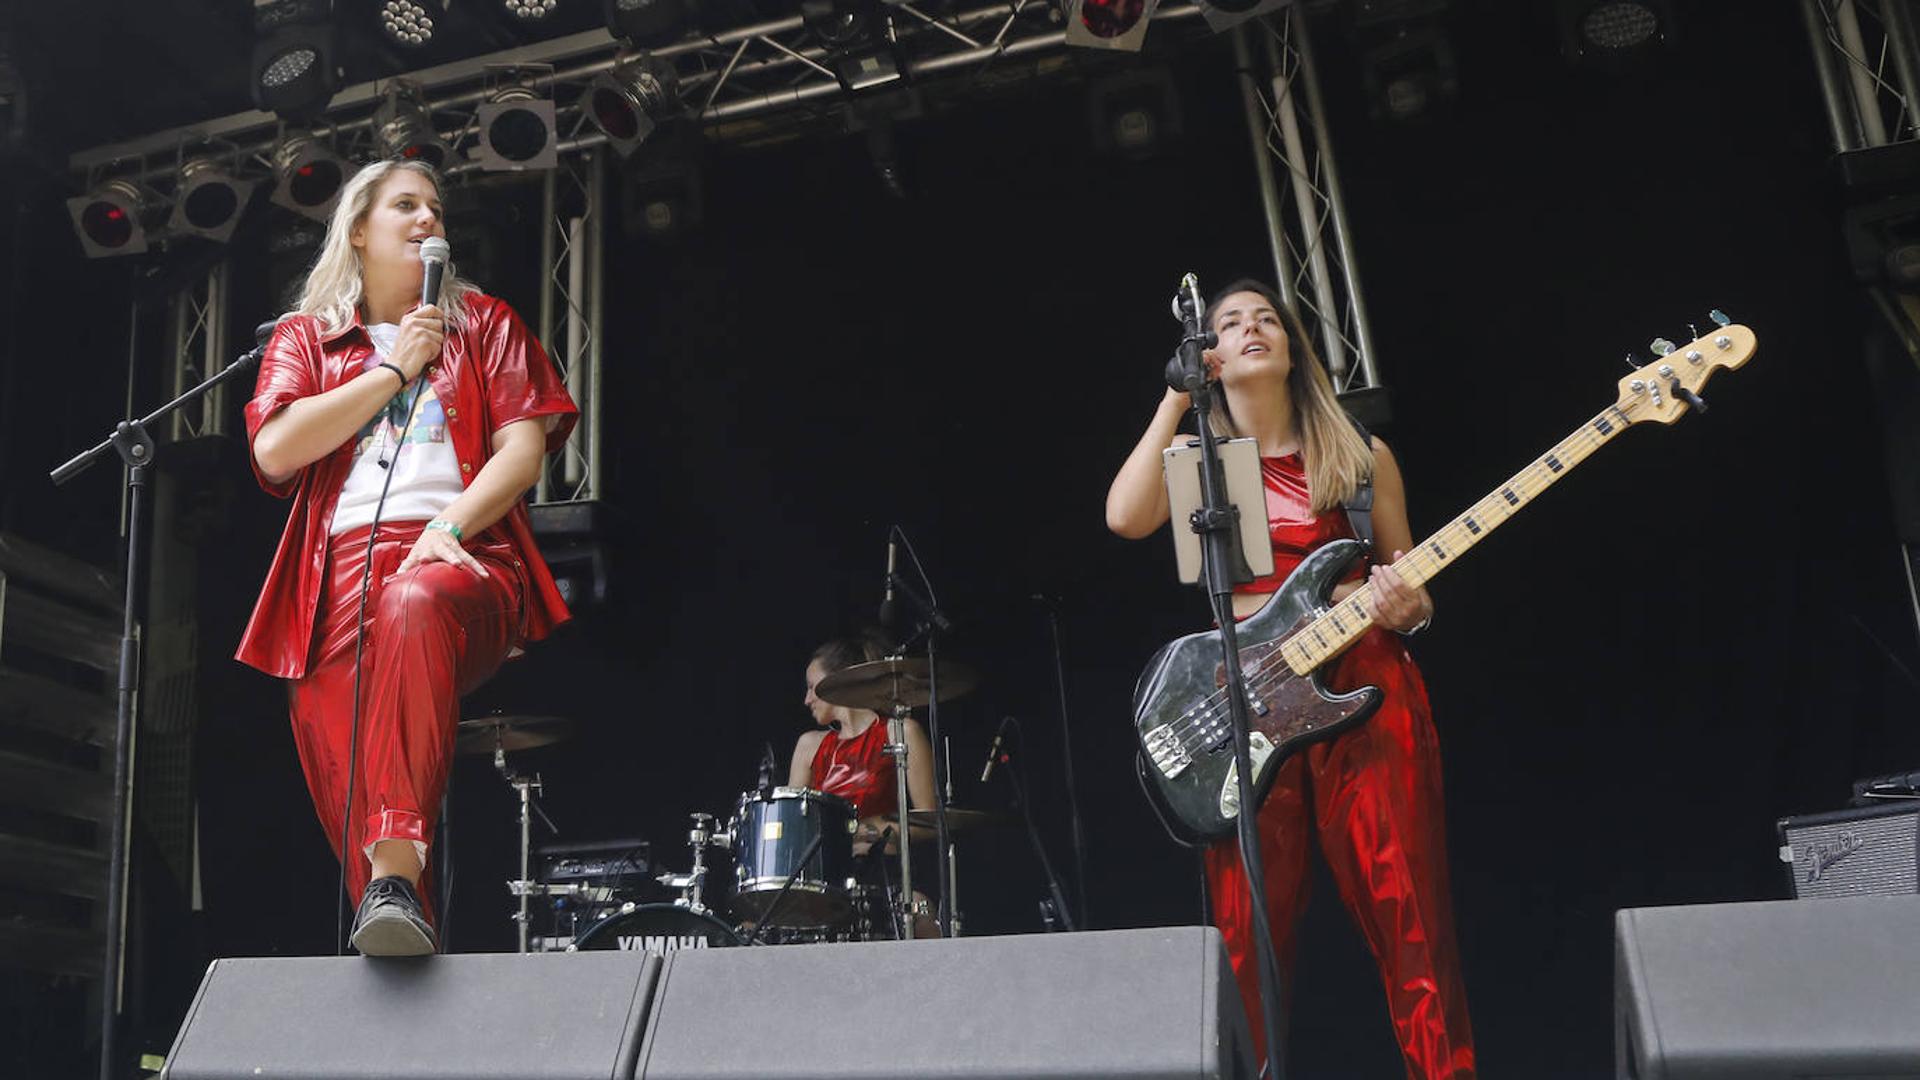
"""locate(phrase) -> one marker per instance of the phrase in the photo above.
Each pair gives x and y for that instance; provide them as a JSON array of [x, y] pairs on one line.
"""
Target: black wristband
[[403, 375]]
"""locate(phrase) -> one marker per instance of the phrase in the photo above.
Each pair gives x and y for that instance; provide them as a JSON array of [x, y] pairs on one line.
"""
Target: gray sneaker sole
[[392, 934]]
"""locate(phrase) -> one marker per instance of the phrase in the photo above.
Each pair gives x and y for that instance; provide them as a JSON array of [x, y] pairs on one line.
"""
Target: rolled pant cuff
[[397, 825]]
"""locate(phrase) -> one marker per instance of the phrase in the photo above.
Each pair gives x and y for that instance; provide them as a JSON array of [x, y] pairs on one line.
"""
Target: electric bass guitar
[[1180, 709]]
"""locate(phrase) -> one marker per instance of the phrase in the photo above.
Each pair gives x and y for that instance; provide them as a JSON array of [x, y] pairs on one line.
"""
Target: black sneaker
[[390, 923]]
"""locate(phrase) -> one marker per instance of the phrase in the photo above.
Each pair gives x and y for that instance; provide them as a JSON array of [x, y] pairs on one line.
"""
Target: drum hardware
[[699, 837]]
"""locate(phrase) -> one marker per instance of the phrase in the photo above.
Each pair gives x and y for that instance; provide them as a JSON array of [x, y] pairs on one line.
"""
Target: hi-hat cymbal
[[881, 684], [486, 734], [958, 820]]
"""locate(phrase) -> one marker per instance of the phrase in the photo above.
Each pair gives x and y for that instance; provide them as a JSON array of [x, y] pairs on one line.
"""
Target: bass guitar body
[[1180, 708]]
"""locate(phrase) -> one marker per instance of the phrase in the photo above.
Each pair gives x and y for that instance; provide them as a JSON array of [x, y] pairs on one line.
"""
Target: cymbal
[[881, 684], [958, 820], [486, 734]]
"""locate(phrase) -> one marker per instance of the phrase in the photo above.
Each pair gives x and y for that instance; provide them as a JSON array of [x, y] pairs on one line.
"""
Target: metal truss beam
[[197, 333], [1313, 257], [753, 71]]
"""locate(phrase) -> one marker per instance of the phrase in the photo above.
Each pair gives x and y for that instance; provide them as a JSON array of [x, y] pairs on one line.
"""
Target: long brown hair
[[1338, 461]]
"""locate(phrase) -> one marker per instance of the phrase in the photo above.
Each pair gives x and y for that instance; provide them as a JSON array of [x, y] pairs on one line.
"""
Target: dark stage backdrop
[[1631, 681]]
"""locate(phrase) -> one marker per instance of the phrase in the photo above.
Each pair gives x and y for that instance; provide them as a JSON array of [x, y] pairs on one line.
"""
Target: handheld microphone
[[893, 562], [433, 254], [993, 751]]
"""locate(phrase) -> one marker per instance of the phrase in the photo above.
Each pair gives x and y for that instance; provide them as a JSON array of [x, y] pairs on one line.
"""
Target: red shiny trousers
[[1371, 798], [432, 634]]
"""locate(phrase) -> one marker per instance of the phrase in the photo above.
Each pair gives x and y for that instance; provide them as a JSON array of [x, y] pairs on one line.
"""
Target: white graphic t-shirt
[[426, 472]]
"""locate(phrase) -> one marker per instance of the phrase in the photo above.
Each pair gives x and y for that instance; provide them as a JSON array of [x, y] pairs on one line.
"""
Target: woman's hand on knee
[[436, 545]]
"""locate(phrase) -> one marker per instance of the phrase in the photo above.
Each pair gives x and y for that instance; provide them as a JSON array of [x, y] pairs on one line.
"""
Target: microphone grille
[[434, 249]]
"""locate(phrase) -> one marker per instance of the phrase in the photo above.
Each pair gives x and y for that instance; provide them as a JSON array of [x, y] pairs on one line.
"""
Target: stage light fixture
[[208, 200], [410, 23], [404, 126], [1618, 25], [517, 131], [646, 22], [1109, 24], [309, 175], [1613, 32], [627, 102], [293, 71], [112, 219], [530, 10]]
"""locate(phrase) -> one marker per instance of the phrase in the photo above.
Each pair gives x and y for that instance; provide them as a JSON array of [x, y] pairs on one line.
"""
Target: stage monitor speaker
[[1779, 990], [551, 1016], [1140, 1004], [1147, 1004]]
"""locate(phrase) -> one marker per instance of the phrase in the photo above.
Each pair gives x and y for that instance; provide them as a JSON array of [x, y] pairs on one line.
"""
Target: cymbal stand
[[524, 887], [896, 748]]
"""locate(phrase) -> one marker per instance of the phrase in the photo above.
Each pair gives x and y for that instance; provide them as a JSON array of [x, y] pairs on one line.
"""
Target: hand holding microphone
[[423, 330]]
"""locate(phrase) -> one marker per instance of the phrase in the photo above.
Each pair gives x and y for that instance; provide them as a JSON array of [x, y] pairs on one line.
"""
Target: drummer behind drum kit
[[783, 869]]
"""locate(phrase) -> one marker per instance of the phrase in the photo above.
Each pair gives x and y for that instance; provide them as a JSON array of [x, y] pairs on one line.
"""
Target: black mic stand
[[1217, 522], [131, 440], [1017, 782]]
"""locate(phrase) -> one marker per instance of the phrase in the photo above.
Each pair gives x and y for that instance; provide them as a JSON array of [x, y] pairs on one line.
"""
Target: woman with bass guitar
[[1370, 795]]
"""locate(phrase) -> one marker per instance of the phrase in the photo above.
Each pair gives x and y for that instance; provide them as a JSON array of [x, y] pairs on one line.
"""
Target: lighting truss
[[743, 84]]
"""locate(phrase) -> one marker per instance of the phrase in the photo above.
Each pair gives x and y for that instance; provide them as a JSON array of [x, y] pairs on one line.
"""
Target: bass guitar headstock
[[1666, 388]]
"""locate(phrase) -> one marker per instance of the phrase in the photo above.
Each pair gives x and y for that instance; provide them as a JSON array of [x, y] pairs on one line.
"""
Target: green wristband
[[447, 527]]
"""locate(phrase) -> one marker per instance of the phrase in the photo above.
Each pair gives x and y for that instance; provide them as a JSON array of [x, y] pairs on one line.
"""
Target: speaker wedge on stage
[[1147, 1004], [1768, 991]]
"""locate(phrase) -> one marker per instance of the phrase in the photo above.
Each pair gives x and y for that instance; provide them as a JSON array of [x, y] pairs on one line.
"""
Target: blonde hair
[[1337, 459], [336, 283]]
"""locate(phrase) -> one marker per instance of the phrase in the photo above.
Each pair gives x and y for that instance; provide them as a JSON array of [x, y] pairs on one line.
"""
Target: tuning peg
[[1661, 346], [1689, 397], [1719, 317]]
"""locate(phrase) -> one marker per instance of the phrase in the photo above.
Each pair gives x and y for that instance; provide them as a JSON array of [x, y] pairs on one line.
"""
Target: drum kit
[[781, 870]]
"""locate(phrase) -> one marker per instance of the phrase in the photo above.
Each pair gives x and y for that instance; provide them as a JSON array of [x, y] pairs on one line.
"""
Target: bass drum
[[660, 928]]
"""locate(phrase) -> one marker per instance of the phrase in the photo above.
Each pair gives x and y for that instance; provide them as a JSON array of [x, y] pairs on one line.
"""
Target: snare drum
[[661, 928], [771, 833]]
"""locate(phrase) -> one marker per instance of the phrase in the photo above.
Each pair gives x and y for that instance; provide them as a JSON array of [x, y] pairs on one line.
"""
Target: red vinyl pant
[[1372, 798], [432, 634]]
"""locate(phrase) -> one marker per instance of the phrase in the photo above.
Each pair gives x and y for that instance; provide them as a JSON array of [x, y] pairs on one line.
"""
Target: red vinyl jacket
[[489, 375]]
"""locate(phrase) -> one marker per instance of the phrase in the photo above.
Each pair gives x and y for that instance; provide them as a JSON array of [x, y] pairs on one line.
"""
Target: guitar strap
[[1359, 505]]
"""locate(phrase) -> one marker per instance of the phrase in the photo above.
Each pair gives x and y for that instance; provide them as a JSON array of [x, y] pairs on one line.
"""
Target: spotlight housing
[[209, 200], [293, 71], [309, 176], [403, 126], [112, 219], [530, 10], [629, 101], [410, 23], [517, 132], [1109, 24]]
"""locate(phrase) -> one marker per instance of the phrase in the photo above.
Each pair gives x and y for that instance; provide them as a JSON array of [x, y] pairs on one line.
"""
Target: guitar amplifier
[[1870, 851]]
